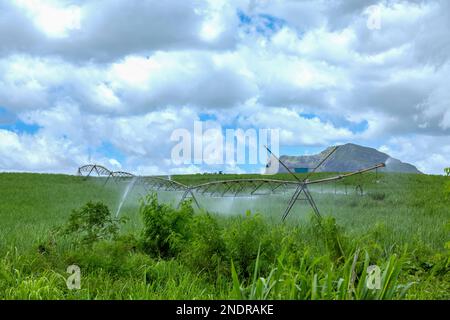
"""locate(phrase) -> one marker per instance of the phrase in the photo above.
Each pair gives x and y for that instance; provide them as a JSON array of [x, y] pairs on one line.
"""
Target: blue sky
[[80, 82], [10, 122]]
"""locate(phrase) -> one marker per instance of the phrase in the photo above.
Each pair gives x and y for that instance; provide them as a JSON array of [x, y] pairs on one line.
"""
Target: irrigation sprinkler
[[87, 170], [235, 187], [101, 171], [188, 194], [302, 186], [121, 175], [240, 187]]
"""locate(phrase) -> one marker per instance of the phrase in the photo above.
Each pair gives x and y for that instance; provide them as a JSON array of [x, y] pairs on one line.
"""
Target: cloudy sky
[[108, 81]]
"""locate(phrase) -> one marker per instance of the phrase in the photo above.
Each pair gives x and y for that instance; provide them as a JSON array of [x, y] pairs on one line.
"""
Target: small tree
[[447, 171], [93, 222]]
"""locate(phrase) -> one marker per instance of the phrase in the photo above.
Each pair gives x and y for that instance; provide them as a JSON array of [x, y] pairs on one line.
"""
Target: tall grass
[[402, 226]]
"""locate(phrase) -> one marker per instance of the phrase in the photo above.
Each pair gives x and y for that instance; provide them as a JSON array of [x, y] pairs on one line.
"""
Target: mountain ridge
[[347, 158]]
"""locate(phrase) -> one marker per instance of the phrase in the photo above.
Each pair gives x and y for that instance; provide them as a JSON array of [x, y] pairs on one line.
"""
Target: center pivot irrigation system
[[231, 187]]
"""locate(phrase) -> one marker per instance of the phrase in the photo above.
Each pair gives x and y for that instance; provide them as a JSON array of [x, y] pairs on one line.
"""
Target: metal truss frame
[[232, 187]]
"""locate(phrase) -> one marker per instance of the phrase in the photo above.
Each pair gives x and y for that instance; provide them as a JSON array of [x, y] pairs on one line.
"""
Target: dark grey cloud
[[112, 29], [17, 32]]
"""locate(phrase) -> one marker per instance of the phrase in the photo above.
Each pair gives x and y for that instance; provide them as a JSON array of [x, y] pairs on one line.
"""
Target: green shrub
[[206, 250], [330, 234], [91, 223], [114, 257], [243, 237], [166, 230]]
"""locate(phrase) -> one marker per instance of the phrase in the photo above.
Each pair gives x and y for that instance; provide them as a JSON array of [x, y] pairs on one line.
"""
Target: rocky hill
[[348, 157]]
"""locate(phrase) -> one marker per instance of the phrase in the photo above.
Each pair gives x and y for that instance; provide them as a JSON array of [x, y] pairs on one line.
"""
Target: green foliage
[[405, 234], [205, 251], [447, 190], [328, 232], [243, 236], [115, 257], [91, 223], [165, 229], [331, 281], [377, 195]]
